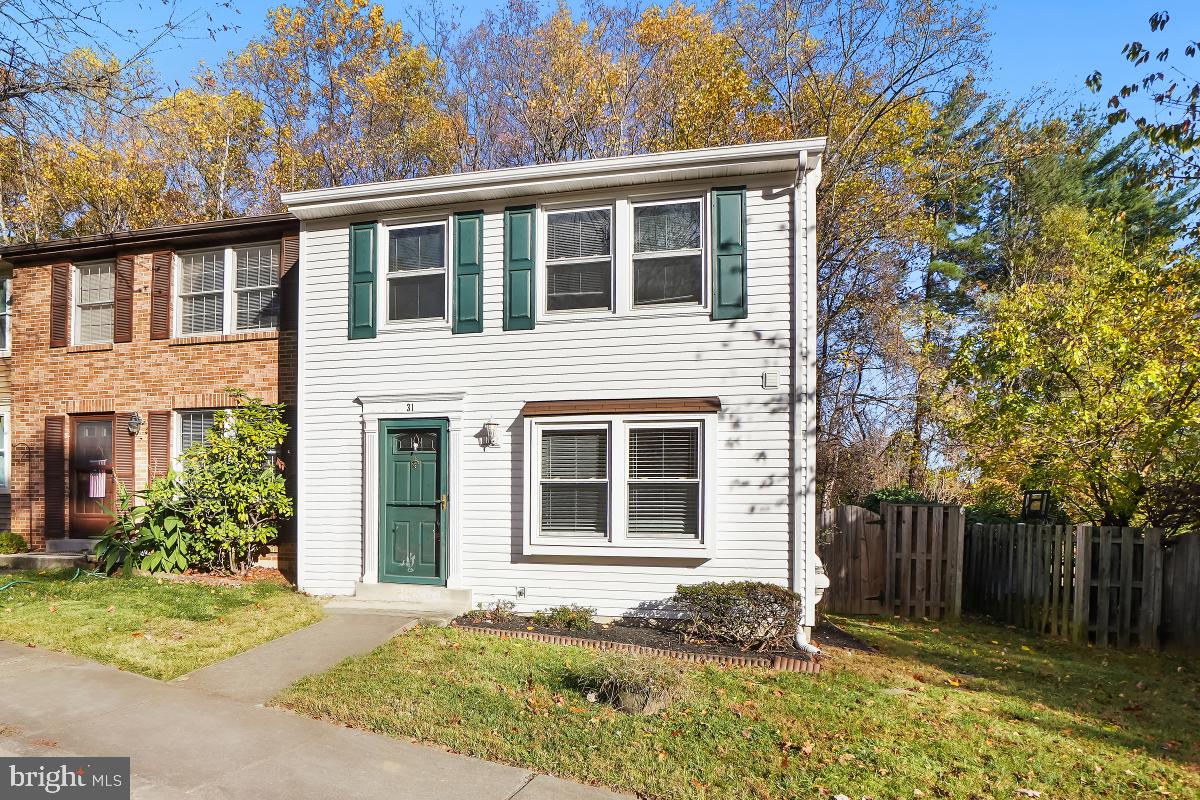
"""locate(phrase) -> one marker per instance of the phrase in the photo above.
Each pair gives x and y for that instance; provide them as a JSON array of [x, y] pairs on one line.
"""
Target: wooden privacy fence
[[1102, 585], [906, 560], [1181, 591]]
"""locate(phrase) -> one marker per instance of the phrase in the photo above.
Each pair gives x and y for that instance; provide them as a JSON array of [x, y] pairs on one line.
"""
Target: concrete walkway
[[258, 674], [187, 742]]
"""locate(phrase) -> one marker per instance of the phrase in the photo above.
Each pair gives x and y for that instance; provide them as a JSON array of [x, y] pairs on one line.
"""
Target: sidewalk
[[190, 742]]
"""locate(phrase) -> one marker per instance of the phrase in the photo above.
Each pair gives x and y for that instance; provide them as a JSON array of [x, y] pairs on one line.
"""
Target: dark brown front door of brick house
[[91, 474]]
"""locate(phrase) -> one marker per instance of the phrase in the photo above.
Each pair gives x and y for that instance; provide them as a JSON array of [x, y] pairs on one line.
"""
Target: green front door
[[413, 501]]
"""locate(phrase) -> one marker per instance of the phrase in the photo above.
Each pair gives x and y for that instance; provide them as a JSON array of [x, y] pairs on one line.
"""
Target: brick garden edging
[[778, 663]]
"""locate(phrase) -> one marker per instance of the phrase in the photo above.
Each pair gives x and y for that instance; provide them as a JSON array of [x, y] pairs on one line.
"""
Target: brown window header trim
[[654, 405]]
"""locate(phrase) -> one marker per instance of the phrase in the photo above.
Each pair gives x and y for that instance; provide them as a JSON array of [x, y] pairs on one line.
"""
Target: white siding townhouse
[[584, 382]]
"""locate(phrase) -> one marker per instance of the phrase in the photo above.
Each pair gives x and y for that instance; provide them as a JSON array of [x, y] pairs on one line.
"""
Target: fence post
[[1083, 580], [1152, 589], [887, 513], [955, 529]]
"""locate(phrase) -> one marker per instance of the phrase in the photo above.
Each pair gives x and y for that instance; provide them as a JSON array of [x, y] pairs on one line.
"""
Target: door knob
[[442, 502]]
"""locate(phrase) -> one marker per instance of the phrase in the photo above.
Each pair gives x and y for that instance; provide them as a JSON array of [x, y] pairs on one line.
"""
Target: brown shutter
[[55, 452], [289, 279], [160, 443], [60, 305], [123, 300], [123, 468], [160, 295]]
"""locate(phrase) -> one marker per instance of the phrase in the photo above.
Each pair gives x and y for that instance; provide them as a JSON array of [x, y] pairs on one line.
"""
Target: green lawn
[[957, 711], [160, 628]]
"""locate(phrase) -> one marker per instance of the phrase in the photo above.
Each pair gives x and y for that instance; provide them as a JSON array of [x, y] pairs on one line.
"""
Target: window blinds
[[574, 483]]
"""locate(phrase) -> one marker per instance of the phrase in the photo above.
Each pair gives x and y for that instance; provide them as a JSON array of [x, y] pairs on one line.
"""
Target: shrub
[[746, 614], [893, 494], [230, 493], [11, 543], [500, 611], [145, 537], [636, 684], [567, 618]]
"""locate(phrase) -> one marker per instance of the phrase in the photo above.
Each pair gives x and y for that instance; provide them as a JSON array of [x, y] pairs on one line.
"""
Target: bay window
[[620, 485]]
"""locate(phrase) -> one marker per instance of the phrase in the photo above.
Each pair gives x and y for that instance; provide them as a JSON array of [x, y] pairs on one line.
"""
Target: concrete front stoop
[[427, 603], [40, 561]]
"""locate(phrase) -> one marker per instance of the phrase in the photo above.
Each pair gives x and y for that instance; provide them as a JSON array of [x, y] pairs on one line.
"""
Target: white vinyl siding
[[94, 289], [579, 259], [647, 352], [416, 272], [228, 290]]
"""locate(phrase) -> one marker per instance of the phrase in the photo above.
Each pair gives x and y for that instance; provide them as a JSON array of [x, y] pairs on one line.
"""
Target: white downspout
[[808, 576]]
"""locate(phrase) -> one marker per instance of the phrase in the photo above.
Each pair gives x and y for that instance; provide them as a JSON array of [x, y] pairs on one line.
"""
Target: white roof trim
[[600, 173]]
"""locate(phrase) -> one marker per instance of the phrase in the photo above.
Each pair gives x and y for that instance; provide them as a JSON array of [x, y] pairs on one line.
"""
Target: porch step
[[38, 561], [425, 601], [70, 545]]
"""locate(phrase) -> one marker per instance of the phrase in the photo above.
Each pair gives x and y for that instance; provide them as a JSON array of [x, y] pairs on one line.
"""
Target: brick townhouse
[[122, 347]]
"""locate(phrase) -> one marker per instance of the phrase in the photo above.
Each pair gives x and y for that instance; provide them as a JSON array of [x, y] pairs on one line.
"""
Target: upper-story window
[[5, 316], [668, 256], [416, 272], [228, 290], [94, 290], [579, 259]]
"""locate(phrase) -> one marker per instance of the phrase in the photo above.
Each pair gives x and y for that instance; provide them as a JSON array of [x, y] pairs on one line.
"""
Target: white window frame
[[6, 443], [542, 286], [6, 314], [76, 286], [382, 255], [618, 543], [177, 429], [229, 290], [703, 201]]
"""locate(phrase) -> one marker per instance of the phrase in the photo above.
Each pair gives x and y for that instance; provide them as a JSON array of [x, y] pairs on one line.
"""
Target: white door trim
[[417, 405]]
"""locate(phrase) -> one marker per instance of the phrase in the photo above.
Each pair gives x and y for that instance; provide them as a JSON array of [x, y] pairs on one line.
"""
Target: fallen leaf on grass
[[1028, 792]]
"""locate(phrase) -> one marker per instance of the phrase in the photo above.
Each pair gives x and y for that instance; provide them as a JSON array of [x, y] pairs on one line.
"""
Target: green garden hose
[[12, 583]]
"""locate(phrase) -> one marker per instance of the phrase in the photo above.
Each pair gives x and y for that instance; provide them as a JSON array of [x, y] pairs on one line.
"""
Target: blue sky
[[1035, 44]]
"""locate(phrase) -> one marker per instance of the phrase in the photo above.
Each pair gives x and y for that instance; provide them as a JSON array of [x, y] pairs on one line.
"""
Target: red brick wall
[[142, 375]]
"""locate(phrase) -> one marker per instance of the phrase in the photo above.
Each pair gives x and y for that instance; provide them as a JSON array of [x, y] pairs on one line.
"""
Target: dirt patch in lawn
[[665, 635], [252, 575]]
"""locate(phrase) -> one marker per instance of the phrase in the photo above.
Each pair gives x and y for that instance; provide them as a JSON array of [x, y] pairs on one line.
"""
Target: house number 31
[[410, 406]]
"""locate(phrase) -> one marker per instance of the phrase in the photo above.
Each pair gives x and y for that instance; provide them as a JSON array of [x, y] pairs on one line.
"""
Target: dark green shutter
[[729, 253], [468, 272], [362, 280], [519, 240]]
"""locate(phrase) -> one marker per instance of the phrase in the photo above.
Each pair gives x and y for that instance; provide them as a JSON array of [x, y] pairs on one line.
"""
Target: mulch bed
[[252, 575], [643, 635]]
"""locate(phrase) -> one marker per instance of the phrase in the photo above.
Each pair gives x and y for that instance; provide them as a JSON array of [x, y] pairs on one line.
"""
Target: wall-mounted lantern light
[[135, 424], [490, 435]]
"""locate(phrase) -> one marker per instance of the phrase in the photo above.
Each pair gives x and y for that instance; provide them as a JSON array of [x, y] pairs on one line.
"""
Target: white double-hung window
[[94, 288], [668, 252], [228, 290], [579, 257], [620, 485], [416, 272]]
